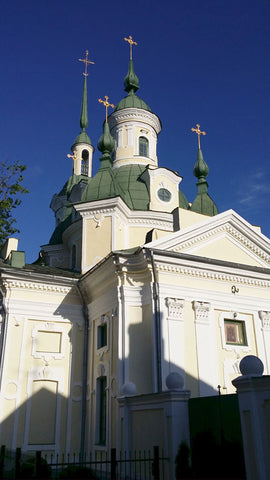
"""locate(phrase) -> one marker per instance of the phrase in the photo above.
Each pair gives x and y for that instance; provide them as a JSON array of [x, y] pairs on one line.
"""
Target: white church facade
[[136, 284]]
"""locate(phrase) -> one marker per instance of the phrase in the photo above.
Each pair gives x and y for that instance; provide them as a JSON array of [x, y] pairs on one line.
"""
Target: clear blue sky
[[203, 62]]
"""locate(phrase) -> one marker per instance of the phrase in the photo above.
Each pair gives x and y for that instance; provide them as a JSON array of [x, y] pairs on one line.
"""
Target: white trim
[[239, 317], [229, 222], [47, 374], [49, 327]]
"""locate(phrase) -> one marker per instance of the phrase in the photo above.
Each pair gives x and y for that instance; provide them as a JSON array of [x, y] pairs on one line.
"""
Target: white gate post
[[253, 391]]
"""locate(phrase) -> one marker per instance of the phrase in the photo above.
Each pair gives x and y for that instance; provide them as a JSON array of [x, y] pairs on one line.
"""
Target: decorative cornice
[[225, 277], [233, 232], [135, 114], [129, 217], [36, 286], [265, 319]]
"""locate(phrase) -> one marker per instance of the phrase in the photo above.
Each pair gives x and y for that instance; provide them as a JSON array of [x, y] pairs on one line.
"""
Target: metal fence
[[137, 465]]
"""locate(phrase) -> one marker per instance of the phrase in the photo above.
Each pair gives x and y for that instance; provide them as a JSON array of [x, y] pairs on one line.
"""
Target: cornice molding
[[97, 210], [136, 115], [210, 275], [45, 287]]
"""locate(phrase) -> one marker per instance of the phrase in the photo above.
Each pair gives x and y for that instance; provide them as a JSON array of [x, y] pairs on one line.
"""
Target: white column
[[174, 343], [206, 348]]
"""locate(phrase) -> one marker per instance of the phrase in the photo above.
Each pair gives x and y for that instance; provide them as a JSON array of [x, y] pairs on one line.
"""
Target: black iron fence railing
[[137, 465]]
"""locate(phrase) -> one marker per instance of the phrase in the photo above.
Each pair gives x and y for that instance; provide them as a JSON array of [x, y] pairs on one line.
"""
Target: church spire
[[82, 149], [83, 137], [203, 203]]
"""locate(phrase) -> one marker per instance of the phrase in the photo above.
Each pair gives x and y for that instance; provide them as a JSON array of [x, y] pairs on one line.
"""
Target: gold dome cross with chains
[[131, 42], [199, 132], [86, 62], [106, 104]]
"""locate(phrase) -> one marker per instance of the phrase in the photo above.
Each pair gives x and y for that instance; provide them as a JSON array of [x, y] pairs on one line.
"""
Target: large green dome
[[125, 182]]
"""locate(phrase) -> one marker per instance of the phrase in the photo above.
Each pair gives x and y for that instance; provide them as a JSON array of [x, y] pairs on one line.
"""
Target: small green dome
[[131, 81], [132, 101], [82, 138], [201, 168], [203, 203], [106, 142]]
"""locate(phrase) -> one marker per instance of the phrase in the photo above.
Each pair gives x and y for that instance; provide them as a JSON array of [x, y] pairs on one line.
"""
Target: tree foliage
[[11, 178]]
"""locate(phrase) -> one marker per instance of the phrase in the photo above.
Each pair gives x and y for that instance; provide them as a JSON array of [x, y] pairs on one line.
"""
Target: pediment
[[226, 237]]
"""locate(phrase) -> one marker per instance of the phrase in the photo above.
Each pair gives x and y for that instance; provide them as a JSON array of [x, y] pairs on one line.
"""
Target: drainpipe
[[3, 328], [157, 321], [84, 370]]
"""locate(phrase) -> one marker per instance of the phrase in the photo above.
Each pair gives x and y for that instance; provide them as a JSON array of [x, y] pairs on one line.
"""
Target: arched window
[[143, 147], [73, 257], [85, 162]]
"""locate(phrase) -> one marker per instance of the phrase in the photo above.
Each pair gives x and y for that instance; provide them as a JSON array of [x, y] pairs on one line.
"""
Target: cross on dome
[[131, 42], [106, 104], [199, 132], [86, 62]]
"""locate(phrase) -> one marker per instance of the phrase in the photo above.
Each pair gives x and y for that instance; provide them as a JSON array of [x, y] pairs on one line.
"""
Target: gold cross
[[106, 104], [131, 42], [86, 62], [199, 132]]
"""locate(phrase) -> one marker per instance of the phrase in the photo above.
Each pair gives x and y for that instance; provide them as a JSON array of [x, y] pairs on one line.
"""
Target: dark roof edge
[[33, 271]]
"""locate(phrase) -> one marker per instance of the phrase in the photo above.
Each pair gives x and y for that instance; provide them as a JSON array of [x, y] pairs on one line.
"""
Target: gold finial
[[106, 104], [131, 42], [86, 62], [199, 132], [74, 157]]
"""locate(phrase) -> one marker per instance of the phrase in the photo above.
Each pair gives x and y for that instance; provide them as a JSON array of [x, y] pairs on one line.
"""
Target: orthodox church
[[138, 297]]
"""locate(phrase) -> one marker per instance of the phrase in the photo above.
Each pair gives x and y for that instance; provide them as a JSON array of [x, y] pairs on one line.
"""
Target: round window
[[164, 194]]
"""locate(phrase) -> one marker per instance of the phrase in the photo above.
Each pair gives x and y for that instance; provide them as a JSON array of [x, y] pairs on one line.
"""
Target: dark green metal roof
[[38, 267], [136, 192], [183, 203], [124, 182], [132, 101], [56, 237], [204, 204], [73, 180], [82, 138]]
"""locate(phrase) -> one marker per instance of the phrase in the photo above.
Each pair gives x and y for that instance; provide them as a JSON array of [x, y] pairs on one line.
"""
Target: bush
[[28, 469], [182, 462], [75, 471]]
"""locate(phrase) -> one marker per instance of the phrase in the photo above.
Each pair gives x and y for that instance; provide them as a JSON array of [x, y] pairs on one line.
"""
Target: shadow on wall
[[140, 366], [50, 422]]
